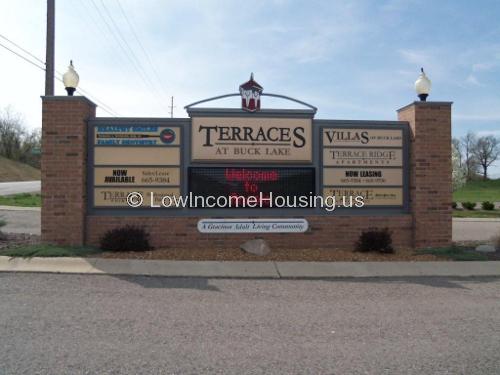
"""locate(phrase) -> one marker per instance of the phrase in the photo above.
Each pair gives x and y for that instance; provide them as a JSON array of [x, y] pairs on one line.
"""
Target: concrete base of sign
[[332, 232]]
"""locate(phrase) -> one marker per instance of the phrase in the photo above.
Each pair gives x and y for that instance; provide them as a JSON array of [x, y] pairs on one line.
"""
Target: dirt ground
[[323, 255]]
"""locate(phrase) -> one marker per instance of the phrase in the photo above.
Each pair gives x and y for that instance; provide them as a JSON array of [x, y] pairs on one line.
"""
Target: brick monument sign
[[94, 170]]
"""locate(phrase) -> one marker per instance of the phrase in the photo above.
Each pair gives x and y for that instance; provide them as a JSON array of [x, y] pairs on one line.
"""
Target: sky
[[354, 60]]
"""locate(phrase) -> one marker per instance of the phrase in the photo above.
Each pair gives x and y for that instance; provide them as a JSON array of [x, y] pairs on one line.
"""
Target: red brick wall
[[430, 176], [65, 220], [64, 162], [326, 232]]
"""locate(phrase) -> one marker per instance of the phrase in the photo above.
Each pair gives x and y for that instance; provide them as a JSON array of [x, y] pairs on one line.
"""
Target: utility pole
[[49, 49], [172, 107]]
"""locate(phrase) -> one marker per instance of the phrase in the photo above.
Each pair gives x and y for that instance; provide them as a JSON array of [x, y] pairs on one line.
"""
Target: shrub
[[469, 205], [375, 240], [496, 242], [454, 205], [488, 206], [127, 238], [3, 236]]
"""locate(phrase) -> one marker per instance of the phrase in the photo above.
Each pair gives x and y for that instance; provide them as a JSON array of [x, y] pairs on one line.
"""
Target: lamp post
[[71, 79], [423, 86]]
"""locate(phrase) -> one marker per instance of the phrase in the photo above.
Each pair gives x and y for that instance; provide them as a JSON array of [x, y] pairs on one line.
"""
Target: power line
[[106, 108], [98, 30], [148, 57], [117, 35], [134, 56], [111, 112], [22, 57], [22, 49], [102, 105], [117, 39]]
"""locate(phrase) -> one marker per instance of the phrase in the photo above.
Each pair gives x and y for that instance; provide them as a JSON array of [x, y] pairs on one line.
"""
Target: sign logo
[[167, 136], [250, 95]]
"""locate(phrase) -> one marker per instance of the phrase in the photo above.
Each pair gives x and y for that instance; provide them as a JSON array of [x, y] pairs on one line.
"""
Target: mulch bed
[[321, 255]]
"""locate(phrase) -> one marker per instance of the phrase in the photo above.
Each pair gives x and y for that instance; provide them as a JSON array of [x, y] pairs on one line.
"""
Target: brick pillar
[[430, 175], [64, 168]]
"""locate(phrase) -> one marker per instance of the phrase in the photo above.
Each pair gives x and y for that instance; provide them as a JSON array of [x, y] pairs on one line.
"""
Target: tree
[[30, 148], [458, 171], [456, 146], [11, 134], [468, 143], [486, 152], [16, 142]]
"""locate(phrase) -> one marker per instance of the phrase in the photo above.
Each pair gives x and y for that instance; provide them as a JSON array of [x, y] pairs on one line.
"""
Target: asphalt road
[[21, 220], [470, 229], [76, 324], [7, 188]]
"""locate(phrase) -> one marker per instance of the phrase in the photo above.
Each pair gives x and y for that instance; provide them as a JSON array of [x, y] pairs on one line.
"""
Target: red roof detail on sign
[[251, 84], [250, 95]]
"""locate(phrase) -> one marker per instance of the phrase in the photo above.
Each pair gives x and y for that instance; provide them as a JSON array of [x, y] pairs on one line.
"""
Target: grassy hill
[[14, 171], [479, 191]]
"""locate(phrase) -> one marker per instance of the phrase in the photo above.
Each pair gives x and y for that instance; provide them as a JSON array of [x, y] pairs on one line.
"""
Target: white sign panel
[[253, 225]]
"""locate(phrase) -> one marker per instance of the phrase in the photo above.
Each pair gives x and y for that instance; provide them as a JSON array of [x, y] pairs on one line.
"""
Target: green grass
[[479, 191], [21, 200], [477, 214], [459, 253], [28, 251]]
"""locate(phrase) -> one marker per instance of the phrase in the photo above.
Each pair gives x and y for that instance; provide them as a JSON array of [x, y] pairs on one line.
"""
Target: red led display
[[246, 182]]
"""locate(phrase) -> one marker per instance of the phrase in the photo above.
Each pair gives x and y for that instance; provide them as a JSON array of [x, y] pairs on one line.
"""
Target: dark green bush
[[469, 205], [127, 238], [3, 236], [375, 240], [488, 206], [454, 205]]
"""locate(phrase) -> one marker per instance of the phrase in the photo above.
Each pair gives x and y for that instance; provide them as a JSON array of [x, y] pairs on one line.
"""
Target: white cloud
[[413, 56], [482, 67], [477, 117], [435, 61], [472, 80]]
